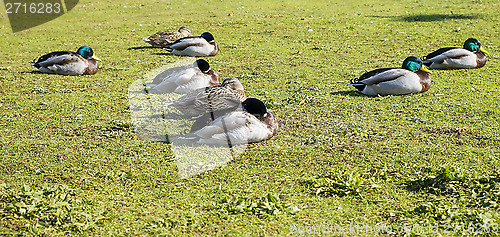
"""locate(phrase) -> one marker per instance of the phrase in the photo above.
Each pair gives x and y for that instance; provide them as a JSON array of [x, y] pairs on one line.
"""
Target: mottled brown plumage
[[164, 38], [226, 95]]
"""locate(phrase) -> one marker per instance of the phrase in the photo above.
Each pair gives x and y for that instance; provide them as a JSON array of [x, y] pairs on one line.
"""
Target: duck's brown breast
[[481, 59], [425, 80], [92, 67]]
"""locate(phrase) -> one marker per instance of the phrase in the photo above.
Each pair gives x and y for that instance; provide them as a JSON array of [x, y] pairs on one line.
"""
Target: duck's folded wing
[[169, 72], [195, 82], [187, 100], [183, 43], [174, 81], [171, 36], [206, 118], [438, 52], [159, 35], [224, 124], [228, 100], [451, 53], [383, 76], [162, 38], [58, 59], [185, 76], [236, 128], [210, 102], [52, 54], [152, 38]]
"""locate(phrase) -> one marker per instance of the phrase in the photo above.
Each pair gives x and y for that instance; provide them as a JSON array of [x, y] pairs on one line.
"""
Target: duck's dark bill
[[26, 14]]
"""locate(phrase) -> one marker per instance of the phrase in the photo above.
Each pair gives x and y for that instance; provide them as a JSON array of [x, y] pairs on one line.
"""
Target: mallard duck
[[237, 127], [411, 78], [197, 46], [164, 38], [81, 62], [187, 79], [226, 95], [472, 55], [251, 105]]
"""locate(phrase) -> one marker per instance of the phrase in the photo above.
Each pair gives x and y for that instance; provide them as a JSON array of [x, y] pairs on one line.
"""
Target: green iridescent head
[[412, 63], [87, 53], [473, 45]]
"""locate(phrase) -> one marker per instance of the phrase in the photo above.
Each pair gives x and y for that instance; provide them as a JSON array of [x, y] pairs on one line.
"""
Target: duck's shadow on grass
[[150, 47], [432, 17], [351, 93], [34, 72], [142, 47], [166, 53]]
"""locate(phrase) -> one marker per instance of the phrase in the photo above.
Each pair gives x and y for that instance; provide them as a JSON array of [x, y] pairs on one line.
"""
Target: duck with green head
[[81, 62], [472, 55], [411, 78]]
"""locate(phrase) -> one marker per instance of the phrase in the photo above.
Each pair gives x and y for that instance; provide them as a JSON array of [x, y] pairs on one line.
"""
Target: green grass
[[339, 158]]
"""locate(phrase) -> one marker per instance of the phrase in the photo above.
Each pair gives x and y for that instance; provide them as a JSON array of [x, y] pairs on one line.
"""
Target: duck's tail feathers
[[426, 61], [171, 104], [358, 85], [189, 137], [354, 81], [146, 39], [35, 65]]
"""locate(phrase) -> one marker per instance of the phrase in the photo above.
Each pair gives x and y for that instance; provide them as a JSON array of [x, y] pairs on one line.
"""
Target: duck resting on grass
[[81, 62], [163, 38], [252, 124], [252, 106], [196, 46], [187, 79], [472, 55], [411, 78], [226, 95]]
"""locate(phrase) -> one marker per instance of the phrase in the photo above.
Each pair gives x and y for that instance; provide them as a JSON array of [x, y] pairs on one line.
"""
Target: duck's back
[[406, 84], [53, 55], [238, 127], [439, 52]]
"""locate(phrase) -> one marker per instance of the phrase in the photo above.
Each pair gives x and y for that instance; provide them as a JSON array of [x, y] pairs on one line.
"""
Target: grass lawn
[[70, 162]]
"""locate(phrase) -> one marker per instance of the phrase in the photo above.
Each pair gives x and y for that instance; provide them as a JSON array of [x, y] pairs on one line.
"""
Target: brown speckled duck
[[226, 95], [164, 38]]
